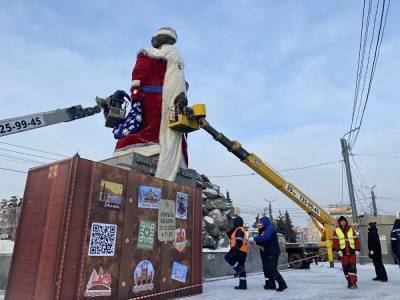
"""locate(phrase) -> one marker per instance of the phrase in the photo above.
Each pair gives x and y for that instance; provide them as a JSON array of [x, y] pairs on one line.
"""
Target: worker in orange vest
[[347, 245], [236, 256]]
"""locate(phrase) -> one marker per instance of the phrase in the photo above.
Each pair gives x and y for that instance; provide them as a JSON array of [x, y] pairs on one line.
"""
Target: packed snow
[[6, 246], [226, 249], [319, 283]]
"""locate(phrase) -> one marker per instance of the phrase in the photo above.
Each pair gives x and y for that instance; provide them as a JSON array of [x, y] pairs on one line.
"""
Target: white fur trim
[[148, 149], [169, 32], [135, 83], [170, 140]]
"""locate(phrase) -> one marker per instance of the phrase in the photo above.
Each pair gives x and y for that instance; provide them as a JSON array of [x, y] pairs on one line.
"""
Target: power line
[[28, 154], [34, 149], [311, 166], [358, 64], [382, 25], [381, 155], [232, 175], [280, 171], [362, 199], [21, 159], [360, 60], [368, 59], [359, 171], [388, 198], [16, 161], [12, 170]]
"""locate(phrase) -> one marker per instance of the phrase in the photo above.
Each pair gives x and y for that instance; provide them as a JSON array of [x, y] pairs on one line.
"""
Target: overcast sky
[[278, 76]]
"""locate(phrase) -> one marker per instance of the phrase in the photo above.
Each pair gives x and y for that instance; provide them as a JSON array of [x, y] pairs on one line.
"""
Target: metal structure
[[345, 153], [187, 120], [195, 117], [114, 112], [375, 209]]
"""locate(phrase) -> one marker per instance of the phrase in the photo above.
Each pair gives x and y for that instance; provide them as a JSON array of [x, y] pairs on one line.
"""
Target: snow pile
[[224, 249], [319, 283], [209, 219]]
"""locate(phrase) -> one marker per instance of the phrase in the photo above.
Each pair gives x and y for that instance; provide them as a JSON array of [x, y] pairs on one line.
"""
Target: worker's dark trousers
[[270, 268], [237, 260], [379, 269]]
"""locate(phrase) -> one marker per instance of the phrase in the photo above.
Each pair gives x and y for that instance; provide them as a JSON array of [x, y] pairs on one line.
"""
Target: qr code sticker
[[102, 239]]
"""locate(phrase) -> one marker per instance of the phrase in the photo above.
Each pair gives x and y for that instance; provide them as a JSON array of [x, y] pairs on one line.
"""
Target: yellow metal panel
[[289, 189], [329, 236], [182, 124], [199, 110]]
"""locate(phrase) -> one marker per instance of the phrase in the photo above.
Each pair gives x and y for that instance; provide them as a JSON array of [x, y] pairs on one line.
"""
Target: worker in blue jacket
[[267, 239]]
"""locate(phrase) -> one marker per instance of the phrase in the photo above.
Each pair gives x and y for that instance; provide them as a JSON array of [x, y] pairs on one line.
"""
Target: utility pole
[[345, 153], [374, 201], [269, 208]]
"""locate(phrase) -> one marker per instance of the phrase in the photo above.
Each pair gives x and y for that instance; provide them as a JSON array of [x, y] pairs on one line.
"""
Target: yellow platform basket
[[179, 121]]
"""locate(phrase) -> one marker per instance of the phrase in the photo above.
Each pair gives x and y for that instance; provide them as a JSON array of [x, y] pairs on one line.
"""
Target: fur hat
[[167, 31]]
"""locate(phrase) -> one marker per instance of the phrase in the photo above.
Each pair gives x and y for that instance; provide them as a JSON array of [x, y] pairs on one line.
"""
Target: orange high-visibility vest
[[245, 247]]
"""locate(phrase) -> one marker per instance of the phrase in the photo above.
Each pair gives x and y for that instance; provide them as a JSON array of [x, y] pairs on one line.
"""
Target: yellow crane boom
[[193, 118]]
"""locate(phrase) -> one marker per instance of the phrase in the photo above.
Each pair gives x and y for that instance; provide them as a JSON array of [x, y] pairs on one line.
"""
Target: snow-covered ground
[[318, 283], [6, 246]]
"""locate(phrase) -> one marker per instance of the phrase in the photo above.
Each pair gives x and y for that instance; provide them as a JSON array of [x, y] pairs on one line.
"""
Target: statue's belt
[[152, 88]]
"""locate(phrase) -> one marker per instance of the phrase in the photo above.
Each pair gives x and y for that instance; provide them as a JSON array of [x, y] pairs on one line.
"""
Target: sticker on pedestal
[[143, 276], [180, 239], [148, 196], [179, 272], [166, 221], [181, 205], [102, 239], [110, 195], [99, 284], [147, 230]]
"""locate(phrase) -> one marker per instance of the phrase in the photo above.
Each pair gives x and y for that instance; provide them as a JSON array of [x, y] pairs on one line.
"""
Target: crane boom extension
[[256, 164], [185, 122], [114, 109], [34, 121], [316, 212]]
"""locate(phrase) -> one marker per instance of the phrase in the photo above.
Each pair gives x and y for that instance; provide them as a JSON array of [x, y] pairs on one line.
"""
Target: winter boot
[[352, 286], [375, 279], [242, 284], [269, 284], [281, 288], [282, 284]]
